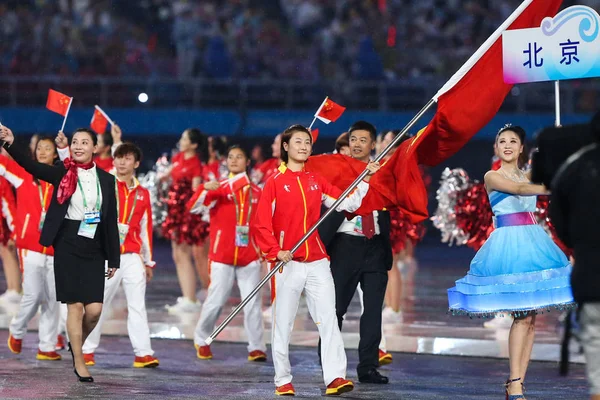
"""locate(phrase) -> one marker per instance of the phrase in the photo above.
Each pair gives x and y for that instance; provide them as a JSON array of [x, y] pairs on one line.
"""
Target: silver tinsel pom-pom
[[159, 190], [452, 183]]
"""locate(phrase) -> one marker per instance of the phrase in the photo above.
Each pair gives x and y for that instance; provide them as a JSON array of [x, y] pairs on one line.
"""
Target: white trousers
[[382, 343], [38, 290], [222, 277], [316, 281], [132, 274]]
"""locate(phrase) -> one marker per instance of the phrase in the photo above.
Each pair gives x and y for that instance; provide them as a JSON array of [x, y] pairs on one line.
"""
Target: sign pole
[[557, 102]]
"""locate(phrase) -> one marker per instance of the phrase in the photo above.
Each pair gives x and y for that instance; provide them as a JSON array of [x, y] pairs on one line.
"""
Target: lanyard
[[239, 211], [85, 207], [126, 200], [43, 197]]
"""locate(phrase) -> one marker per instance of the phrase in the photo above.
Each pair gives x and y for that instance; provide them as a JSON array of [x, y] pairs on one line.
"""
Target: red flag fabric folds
[[58, 102], [99, 122], [329, 111], [475, 99]]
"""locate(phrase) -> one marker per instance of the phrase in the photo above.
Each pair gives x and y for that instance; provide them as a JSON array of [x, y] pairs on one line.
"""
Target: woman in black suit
[[81, 224]]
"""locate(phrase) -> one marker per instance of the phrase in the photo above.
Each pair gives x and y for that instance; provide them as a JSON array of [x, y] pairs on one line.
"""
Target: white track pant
[[382, 343], [132, 274], [316, 280], [222, 277], [38, 290]]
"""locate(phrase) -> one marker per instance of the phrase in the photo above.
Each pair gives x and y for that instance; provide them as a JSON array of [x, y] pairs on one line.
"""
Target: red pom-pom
[[402, 229], [474, 215], [181, 225]]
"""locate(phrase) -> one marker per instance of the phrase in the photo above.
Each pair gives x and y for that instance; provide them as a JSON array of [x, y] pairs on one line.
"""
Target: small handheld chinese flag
[[315, 134], [329, 111], [99, 121], [58, 102], [238, 182]]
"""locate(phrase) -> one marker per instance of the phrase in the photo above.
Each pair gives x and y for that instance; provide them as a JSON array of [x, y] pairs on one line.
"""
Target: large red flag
[[58, 102], [99, 122], [475, 93], [466, 104]]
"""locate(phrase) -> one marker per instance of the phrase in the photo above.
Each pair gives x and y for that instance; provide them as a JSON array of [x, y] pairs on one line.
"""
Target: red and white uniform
[[7, 211], [289, 206], [135, 231], [37, 261], [262, 172], [232, 255], [105, 164]]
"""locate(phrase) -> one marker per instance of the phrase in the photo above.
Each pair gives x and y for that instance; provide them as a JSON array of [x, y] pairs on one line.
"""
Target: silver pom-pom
[[159, 190], [452, 183]]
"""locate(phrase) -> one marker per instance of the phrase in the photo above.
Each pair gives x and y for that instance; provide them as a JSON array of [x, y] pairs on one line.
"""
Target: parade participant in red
[[12, 296], [180, 227], [233, 255], [37, 261], [103, 157], [290, 205], [135, 234], [260, 174]]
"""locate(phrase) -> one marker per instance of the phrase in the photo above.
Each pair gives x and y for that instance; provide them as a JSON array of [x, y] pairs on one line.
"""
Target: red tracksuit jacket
[[224, 218], [139, 236], [31, 195], [290, 205]]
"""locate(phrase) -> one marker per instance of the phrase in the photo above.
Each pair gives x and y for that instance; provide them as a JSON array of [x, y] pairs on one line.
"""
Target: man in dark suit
[[361, 252]]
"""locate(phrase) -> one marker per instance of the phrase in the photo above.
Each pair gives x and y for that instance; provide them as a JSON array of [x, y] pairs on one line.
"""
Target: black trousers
[[358, 260]]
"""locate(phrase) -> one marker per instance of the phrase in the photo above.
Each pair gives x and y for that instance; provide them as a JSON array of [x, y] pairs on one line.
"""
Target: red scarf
[[68, 183]]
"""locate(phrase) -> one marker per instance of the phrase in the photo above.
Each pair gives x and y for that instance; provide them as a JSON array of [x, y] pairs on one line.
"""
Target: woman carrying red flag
[[290, 205]]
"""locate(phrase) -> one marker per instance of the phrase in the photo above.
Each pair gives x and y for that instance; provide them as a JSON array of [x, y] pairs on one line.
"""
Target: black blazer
[[109, 232], [328, 230]]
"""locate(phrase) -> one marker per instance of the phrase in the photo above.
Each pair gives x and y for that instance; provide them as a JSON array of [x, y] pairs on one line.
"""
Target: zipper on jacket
[[305, 216]]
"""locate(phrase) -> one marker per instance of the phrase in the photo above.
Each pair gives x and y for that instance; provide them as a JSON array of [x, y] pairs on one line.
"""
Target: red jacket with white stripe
[[31, 194], [290, 205], [225, 215], [139, 235], [9, 206]]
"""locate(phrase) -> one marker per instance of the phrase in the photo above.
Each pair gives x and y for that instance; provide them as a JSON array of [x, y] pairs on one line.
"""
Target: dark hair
[[46, 139], [219, 145], [238, 147], [523, 157], [197, 137], [287, 135], [128, 148], [396, 132], [107, 139], [342, 141], [363, 126], [89, 132]]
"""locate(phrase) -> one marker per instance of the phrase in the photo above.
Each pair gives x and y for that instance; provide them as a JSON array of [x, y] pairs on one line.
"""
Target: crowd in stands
[[256, 39]]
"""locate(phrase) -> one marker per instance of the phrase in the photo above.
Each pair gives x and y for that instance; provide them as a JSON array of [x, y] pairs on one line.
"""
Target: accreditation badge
[[91, 217], [87, 230], [123, 230], [242, 237], [358, 225]]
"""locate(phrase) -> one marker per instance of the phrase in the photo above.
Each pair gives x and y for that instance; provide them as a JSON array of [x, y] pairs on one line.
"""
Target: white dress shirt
[[349, 227], [88, 178]]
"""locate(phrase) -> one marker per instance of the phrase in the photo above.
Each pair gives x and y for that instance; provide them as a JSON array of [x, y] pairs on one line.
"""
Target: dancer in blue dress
[[519, 270]]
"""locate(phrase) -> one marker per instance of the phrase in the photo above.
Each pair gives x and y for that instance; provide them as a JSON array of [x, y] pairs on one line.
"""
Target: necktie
[[368, 225]]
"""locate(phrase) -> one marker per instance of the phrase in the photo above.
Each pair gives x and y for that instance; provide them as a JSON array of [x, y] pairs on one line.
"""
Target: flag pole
[[101, 111], [330, 210], [312, 123], [557, 102], [62, 129]]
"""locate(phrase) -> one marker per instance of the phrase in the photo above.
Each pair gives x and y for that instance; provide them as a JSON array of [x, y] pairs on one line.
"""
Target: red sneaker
[[89, 359], [14, 345], [285, 390], [145, 362], [204, 353], [384, 358], [339, 386], [257, 355], [60, 343], [48, 355]]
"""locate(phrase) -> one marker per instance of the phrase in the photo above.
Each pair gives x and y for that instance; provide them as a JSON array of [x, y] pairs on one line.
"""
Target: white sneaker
[[389, 315], [184, 305], [11, 296], [499, 322]]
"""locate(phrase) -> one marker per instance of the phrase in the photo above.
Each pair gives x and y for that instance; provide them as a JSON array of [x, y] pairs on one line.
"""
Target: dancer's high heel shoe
[[513, 396], [86, 379]]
